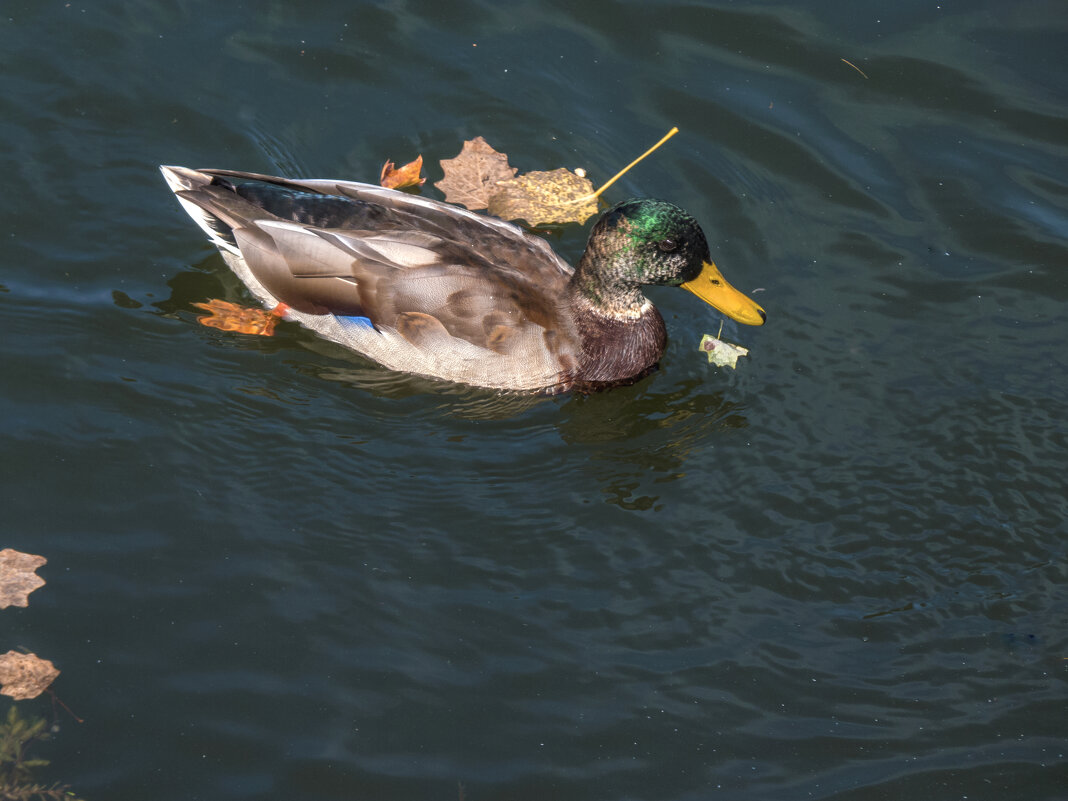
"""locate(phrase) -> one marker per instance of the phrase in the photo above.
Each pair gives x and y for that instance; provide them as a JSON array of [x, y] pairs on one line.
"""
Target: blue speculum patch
[[363, 322]]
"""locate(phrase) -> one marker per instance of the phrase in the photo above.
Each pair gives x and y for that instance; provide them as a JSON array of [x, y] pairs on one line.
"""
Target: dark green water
[[276, 572]]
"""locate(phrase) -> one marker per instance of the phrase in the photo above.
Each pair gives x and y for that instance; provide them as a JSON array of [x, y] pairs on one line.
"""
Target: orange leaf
[[25, 675], [394, 177], [17, 577], [232, 317]]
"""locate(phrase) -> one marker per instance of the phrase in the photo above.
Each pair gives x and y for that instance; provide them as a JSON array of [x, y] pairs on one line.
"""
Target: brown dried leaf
[[17, 577], [394, 177], [228, 316], [471, 178], [556, 196], [25, 676]]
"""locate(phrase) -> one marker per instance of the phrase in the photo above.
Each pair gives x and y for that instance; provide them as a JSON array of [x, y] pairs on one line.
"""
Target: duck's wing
[[440, 286], [380, 209]]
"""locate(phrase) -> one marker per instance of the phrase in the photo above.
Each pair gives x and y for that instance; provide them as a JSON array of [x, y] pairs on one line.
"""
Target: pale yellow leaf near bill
[[720, 353]]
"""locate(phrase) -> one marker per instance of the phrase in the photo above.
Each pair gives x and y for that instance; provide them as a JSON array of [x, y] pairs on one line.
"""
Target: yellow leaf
[[721, 353], [24, 676], [17, 577], [556, 196]]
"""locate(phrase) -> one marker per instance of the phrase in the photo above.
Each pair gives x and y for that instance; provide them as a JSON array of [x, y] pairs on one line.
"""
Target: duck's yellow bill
[[711, 287]]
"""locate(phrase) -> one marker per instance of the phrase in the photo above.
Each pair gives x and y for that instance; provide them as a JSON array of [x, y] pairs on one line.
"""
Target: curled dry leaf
[[410, 174], [228, 316], [25, 676], [540, 197], [17, 577], [721, 353], [471, 178]]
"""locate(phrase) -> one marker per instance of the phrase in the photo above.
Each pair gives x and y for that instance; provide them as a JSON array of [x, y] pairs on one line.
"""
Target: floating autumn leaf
[[17, 577], [25, 676], [472, 176], [481, 178], [556, 196], [232, 317], [721, 353], [394, 177]]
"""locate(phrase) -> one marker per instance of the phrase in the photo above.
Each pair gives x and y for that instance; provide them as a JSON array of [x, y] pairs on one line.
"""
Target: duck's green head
[[648, 241]]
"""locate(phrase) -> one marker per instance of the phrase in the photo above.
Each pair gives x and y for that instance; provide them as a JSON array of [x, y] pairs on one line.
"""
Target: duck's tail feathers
[[187, 184]]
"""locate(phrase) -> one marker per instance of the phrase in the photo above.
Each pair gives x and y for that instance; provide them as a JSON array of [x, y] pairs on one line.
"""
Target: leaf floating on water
[[17, 577], [228, 316], [472, 176], [720, 353], [410, 174], [539, 197], [25, 676], [481, 178]]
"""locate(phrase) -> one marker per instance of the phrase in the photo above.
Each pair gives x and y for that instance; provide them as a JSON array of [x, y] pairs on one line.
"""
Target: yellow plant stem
[[621, 173]]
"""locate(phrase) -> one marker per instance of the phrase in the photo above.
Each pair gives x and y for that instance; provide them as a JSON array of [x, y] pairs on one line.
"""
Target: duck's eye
[[668, 245]]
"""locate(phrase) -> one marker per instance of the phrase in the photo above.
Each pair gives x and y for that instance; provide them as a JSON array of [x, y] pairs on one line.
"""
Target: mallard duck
[[429, 288]]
